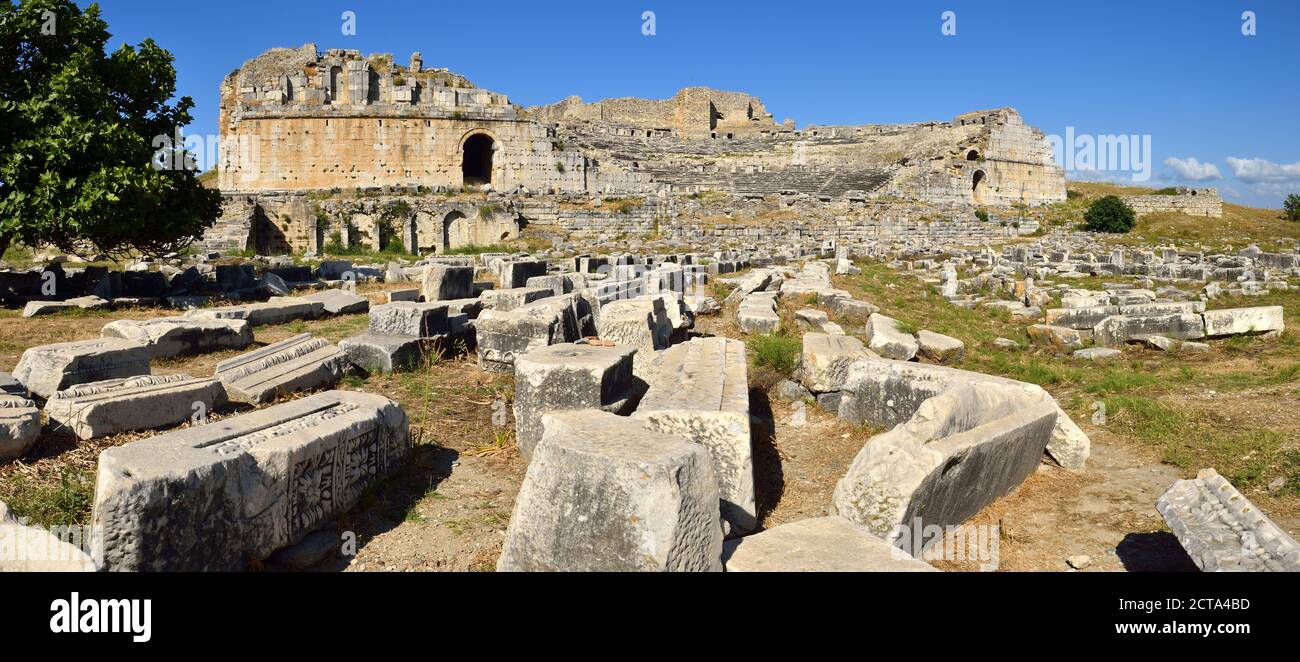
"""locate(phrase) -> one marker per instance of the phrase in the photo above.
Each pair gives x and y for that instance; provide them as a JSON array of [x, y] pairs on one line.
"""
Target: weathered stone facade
[[299, 128]]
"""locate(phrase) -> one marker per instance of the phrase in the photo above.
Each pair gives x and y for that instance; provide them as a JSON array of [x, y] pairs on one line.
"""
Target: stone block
[[503, 335], [1059, 338], [820, 544], [570, 377], [605, 494], [439, 283], [101, 409], [172, 336], [408, 318], [700, 392], [299, 363], [826, 359], [20, 426], [962, 449], [1222, 531], [1239, 321], [46, 369], [885, 338], [338, 302], [939, 348], [275, 311], [1119, 329], [375, 353], [215, 497], [510, 299]]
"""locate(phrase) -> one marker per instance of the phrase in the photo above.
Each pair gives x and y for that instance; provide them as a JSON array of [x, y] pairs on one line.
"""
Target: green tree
[[1291, 207], [79, 130], [1109, 214]]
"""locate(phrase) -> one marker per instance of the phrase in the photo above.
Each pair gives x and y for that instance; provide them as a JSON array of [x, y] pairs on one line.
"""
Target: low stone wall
[[1193, 202]]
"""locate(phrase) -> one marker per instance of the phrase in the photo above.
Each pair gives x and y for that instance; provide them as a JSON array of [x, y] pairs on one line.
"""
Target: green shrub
[[982, 215], [1169, 190], [1291, 207], [1109, 214], [1071, 194], [777, 351]]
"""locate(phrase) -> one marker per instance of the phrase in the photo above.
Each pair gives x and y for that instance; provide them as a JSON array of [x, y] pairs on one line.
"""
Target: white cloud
[[1260, 171], [1192, 170]]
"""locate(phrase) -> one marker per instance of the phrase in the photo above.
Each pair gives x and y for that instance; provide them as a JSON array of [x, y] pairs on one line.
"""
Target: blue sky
[[1181, 72]]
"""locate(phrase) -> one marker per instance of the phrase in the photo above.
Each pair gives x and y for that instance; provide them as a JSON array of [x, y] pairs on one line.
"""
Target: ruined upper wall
[[302, 82], [693, 113]]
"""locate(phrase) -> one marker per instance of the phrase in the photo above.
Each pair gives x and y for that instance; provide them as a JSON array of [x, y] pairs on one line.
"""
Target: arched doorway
[[476, 160], [455, 231], [977, 192], [973, 155]]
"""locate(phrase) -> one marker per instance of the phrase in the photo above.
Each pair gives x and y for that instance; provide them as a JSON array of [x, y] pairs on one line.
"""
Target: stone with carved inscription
[[220, 496], [1222, 530]]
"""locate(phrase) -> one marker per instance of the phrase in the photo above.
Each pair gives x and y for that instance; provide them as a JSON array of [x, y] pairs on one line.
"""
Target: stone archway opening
[[977, 192], [973, 155], [455, 231], [476, 160]]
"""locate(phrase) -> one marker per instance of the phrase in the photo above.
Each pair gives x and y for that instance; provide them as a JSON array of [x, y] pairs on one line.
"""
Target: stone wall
[[1190, 201]]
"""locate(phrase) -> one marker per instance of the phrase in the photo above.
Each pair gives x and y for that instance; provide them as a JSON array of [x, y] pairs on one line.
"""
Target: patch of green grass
[[65, 503], [776, 351], [1120, 380], [475, 249]]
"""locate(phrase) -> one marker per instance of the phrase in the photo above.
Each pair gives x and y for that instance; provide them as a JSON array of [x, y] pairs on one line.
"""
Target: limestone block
[[338, 302], [104, 408], [1059, 338], [569, 377], [963, 448], [826, 359], [46, 369], [1097, 354], [1119, 329], [515, 273], [700, 392], [172, 336], [887, 393], [275, 311], [213, 497], [636, 323], [404, 294], [939, 348], [503, 335], [439, 282], [886, 339], [820, 544], [299, 363], [757, 313], [1237, 321], [510, 299], [603, 493], [1222, 530], [409, 318], [20, 426], [847, 307], [373, 352]]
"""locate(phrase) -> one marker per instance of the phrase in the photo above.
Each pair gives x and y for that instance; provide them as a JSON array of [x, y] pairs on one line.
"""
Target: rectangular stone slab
[[215, 497], [408, 318], [339, 302], [383, 353], [1237, 321], [275, 311], [100, 409], [700, 392], [501, 336], [47, 369], [1221, 530], [299, 363], [172, 336]]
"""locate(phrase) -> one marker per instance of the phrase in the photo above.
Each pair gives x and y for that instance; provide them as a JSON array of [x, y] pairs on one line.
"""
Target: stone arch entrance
[[476, 159], [455, 231], [977, 190]]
